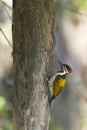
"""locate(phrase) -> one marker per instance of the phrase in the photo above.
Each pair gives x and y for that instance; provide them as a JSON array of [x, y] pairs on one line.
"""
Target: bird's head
[[66, 68]]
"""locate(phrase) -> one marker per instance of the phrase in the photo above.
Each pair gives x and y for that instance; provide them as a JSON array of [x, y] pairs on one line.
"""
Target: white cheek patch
[[65, 70]]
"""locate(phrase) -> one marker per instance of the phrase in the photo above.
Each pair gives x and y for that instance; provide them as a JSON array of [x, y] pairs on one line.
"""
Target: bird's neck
[[62, 73]]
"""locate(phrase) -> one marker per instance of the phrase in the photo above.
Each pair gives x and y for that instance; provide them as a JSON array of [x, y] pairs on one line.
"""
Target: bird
[[57, 81]]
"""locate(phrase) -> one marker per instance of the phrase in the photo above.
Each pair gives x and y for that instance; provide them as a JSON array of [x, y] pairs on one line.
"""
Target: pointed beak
[[59, 62]]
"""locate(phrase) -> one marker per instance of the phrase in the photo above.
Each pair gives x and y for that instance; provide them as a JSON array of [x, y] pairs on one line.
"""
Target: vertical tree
[[32, 59]]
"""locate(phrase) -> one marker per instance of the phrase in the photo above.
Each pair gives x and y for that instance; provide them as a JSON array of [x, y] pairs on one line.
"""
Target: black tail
[[51, 99]]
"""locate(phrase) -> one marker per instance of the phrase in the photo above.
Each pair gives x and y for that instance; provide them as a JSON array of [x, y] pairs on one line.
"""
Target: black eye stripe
[[67, 66]]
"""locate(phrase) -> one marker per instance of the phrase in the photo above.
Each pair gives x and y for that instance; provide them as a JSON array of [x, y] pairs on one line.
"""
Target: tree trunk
[[32, 60]]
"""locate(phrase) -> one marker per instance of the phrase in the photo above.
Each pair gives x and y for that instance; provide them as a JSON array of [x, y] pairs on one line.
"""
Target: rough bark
[[32, 59]]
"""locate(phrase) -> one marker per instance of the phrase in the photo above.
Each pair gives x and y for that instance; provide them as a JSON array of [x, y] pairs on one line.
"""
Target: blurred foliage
[[78, 7], [54, 125], [5, 114], [79, 4], [69, 9], [2, 103]]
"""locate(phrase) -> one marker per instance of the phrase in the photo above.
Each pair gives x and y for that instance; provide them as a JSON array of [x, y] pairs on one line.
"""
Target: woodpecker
[[57, 81]]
